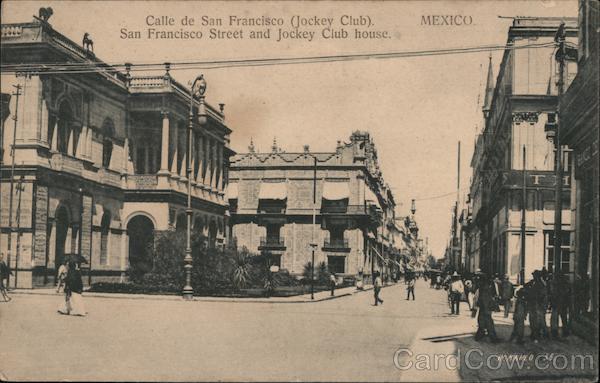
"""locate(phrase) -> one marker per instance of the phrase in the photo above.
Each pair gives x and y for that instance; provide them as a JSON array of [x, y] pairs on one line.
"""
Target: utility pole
[[559, 38], [18, 250], [12, 179], [314, 223], [455, 251], [523, 221]]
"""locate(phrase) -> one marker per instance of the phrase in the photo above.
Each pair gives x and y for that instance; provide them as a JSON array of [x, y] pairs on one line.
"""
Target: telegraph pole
[[314, 222], [12, 180], [523, 221], [20, 189], [559, 38]]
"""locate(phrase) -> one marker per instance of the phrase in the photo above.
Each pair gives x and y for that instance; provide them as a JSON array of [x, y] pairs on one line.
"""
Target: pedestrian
[[536, 306], [73, 290], [438, 282], [497, 286], [507, 292], [332, 283], [62, 274], [519, 315], [457, 288], [485, 304], [4, 273], [469, 293], [410, 287], [377, 284], [560, 292]]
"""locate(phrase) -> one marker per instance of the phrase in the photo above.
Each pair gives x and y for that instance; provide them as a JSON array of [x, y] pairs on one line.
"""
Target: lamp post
[[198, 88]]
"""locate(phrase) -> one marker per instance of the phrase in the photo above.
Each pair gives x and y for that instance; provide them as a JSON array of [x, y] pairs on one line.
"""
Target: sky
[[416, 109]]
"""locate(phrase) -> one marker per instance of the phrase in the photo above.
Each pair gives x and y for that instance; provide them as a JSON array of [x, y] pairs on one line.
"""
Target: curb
[[158, 297]]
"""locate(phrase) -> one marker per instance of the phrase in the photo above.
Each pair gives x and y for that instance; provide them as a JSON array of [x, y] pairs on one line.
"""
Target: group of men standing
[[485, 294]]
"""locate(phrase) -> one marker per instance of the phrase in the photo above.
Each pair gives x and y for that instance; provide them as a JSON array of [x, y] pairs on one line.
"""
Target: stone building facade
[[516, 113], [580, 129], [271, 199], [99, 160]]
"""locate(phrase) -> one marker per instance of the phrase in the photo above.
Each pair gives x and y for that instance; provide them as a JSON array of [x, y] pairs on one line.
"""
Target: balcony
[[330, 209], [272, 243], [336, 245]]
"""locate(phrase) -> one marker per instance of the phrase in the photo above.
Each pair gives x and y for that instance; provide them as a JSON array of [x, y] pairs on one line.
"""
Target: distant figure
[[62, 274], [507, 291], [4, 273], [45, 13], [377, 284], [410, 287], [457, 288], [332, 283], [438, 282], [87, 42]]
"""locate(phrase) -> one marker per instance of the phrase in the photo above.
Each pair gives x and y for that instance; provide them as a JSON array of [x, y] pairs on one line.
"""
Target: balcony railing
[[336, 245], [344, 209], [143, 181], [272, 243]]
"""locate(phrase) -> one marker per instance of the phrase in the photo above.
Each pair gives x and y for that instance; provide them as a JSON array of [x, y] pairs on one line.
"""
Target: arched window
[[65, 122], [108, 132], [104, 233]]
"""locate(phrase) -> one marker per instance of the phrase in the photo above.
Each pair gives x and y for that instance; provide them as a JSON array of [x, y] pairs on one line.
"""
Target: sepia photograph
[[306, 191]]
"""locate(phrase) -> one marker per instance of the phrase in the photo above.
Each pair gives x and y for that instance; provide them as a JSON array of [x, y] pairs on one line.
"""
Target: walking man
[[485, 302], [507, 291], [560, 291], [519, 315], [457, 289], [410, 287], [332, 282], [377, 288]]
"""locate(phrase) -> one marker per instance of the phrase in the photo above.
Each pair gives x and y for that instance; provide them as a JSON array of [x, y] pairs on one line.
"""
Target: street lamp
[[198, 88]]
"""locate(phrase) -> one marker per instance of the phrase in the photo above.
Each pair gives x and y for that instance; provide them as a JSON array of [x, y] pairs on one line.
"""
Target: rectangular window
[[336, 264], [565, 255]]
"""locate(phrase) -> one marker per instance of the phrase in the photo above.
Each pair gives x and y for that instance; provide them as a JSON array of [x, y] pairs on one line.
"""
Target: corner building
[[519, 111], [271, 199], [100, 161]]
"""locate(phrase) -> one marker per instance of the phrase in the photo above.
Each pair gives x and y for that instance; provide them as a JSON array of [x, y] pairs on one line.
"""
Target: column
[[54, 139], [221, 184], [205, 169], [174, 170], [71, 141], [214, 164], [44, 125], [88, 144], [164, 147], [136, 166], [146, 149]]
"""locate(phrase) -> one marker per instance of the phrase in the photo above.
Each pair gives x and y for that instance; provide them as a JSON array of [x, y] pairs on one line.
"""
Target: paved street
[[153, 339]]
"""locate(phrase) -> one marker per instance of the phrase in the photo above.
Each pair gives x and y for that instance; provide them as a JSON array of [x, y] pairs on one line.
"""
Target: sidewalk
[[449, 353], [318, 296]]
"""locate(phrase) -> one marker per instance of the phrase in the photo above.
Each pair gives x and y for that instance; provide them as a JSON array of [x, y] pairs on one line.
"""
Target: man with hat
[[457, 288], [485, 302], [536, 306], [507, 291]]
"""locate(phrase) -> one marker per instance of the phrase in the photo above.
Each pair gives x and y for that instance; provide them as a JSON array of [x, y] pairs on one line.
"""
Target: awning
[[370, 196], [273, 190], [232, 190], [335, 191]]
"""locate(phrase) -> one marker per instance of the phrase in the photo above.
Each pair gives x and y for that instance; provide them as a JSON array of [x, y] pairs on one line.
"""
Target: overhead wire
[[102, 67]]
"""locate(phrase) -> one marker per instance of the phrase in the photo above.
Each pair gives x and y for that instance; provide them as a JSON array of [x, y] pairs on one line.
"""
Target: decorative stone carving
[[531, 117]]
